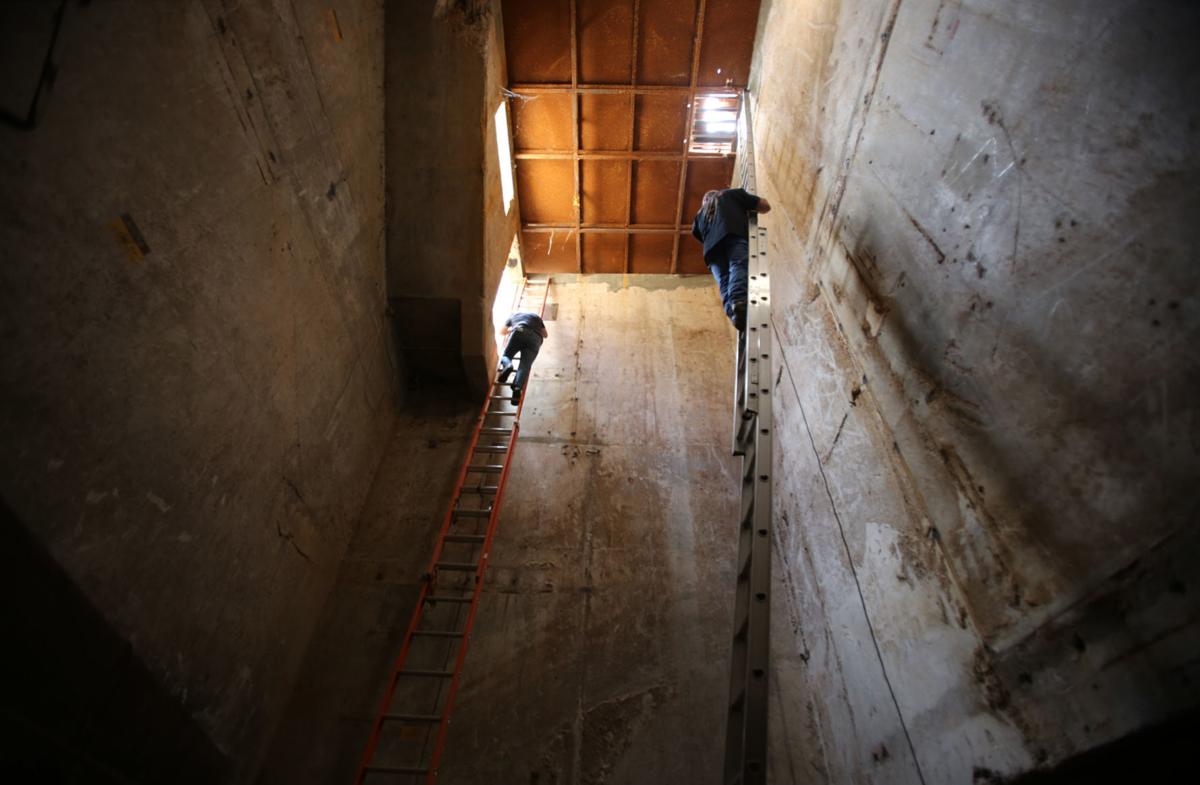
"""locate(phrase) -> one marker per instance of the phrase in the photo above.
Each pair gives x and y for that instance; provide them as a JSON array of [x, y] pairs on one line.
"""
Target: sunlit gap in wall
[[508, 293], [714, 127], [504, 152]]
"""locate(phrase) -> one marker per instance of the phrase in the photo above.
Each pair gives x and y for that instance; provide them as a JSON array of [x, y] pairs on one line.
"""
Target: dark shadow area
[[1161, 753], [78, 705], [429, 339]]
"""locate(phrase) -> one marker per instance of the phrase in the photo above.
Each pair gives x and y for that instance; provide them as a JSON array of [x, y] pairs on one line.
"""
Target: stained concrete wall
[[982, 254], [599, 652], [190, 425], [448, 233]]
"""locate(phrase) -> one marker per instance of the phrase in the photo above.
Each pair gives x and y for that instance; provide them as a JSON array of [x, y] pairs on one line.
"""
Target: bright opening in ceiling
[[504, 153], [714, 129]]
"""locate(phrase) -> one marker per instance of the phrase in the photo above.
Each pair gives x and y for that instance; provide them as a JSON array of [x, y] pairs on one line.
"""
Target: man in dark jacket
[[723, 228], [525, 332]]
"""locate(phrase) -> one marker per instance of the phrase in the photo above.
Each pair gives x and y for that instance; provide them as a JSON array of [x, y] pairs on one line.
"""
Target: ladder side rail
[[418, 612], [481, 570], [746, 730], [758, 600], [439, 547]]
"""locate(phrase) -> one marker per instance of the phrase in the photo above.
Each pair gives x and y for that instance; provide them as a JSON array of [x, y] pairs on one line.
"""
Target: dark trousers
[[525, 343], [729, 261]]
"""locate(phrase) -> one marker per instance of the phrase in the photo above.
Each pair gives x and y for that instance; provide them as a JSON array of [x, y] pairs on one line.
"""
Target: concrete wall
[[190, 425], [448, 234], [599, 652], [983, 253]]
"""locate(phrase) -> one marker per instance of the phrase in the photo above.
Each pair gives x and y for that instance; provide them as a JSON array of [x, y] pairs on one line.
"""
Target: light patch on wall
[[129, 237], [508, 293], [714, 124], [335, 28], [504, 152]]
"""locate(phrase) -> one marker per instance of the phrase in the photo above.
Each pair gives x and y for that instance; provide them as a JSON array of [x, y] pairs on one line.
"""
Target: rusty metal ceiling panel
[[607, 178], [661, 122], [702, 175], [537, 35], [650, 253], [604, 197], [728, 43], [654, 192], [547, 191], [605, 41], [691, 256], [604, 253], [666, 31], [542, 122], [603, 122], [548, 252]]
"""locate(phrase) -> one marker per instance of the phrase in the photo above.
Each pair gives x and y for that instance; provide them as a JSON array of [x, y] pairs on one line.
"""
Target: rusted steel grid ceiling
[[606, 100]]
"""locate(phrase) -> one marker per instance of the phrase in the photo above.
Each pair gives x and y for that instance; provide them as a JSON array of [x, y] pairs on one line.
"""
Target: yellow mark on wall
[[334, 27], [129, 237]]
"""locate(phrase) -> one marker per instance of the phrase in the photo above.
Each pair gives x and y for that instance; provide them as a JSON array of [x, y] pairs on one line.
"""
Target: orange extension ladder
[[409, 733]]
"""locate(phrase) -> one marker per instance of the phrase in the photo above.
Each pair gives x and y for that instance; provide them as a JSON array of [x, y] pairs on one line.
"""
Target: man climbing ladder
[[722, 227], [410, 730], [525, 332]]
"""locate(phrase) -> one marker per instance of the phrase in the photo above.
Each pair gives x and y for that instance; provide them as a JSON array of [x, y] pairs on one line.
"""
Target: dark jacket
[[729, 218], [528, 323]]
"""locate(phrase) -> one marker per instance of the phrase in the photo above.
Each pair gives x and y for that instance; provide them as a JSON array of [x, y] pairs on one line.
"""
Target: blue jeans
[[729, 261], [525, 343]]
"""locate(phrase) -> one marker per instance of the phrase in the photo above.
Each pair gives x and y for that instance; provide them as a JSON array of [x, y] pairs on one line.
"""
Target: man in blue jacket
[[525, 332], [723, 228]]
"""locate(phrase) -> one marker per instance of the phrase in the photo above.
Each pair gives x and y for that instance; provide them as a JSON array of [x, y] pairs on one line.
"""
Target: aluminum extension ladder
[[746, 723], [409, 734]]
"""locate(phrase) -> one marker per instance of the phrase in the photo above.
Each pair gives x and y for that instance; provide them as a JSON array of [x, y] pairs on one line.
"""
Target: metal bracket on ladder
[[746, 724], [408, 736]]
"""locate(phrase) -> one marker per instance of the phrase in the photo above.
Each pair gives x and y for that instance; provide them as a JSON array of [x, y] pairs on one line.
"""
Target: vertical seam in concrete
[[587, 552], [868, 100], [849, 558]]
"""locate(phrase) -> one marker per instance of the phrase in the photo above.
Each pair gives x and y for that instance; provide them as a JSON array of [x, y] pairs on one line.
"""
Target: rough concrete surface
[[447, 232], [983, 271], [600, 649], [195, 396]]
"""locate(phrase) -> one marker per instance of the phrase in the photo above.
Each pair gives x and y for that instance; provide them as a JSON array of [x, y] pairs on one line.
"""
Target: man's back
[[527, 321], [729, 218]]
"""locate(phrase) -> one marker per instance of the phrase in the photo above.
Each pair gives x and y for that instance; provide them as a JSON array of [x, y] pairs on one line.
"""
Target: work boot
[[516, 396], [506, 369], [739, 317]]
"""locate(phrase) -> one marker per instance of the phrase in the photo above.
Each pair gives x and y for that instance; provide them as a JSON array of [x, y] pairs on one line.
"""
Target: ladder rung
[[501, 414], [499, 397], [489, 468], [481, 489], [464, 538], [491, 448], [396, 769], [413, 718], [472, 513], [438, 633], [504, 431], [445, 598], [431, 674], [458, 566]]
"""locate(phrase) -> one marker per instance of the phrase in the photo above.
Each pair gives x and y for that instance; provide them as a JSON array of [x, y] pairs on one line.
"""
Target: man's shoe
[[739, 317], [516, 396], [503, 373]]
